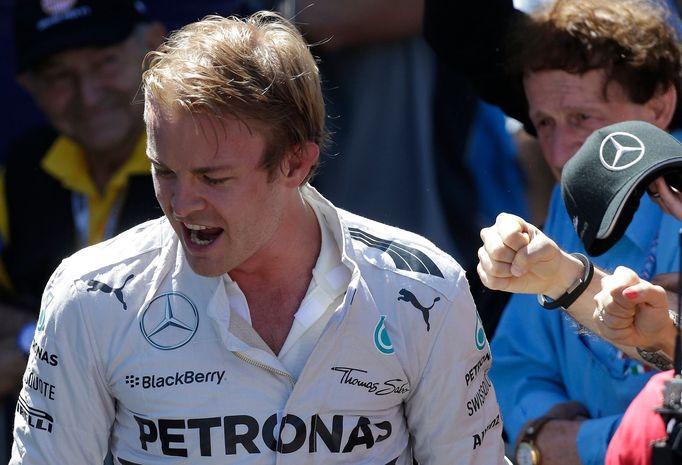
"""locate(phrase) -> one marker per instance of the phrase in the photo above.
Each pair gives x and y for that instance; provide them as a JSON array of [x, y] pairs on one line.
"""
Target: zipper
[[265, 367]]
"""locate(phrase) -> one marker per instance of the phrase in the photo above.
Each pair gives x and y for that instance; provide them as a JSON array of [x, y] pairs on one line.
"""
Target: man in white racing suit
[[254, 322]]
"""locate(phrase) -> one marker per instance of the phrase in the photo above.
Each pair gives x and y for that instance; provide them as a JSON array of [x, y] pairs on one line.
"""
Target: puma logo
[[118, 292], [407, 296]]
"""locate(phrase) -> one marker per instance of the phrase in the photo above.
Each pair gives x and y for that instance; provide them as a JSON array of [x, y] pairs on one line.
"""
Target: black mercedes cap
[[45, 27], [604, 181]]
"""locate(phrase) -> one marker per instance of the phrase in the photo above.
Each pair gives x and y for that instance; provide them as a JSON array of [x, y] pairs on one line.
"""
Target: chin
[[206, 268]]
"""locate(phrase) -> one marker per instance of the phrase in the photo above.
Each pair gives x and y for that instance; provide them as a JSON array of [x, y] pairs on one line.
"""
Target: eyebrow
[[198, 170]]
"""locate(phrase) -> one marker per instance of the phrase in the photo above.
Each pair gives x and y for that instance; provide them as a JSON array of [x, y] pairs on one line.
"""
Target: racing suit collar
[[340, 221]]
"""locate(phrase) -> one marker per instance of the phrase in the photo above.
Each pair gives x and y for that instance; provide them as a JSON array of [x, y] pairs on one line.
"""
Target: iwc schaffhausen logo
[[169, 321], [620, 150]]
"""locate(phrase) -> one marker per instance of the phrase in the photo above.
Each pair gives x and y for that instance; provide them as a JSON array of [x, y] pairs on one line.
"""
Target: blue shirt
[[541, 359]]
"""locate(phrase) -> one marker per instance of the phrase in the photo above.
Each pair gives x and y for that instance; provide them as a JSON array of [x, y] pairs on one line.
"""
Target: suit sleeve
[[64, 412], [450, 28], [452, 414]]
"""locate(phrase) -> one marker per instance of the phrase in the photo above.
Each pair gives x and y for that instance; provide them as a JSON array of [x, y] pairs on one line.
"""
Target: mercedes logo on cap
[[620, 150], [169, 321]]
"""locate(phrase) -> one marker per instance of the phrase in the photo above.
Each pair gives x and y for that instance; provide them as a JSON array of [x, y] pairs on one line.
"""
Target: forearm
[[586, 312], [339, 24], [582, 310], [557, 442]]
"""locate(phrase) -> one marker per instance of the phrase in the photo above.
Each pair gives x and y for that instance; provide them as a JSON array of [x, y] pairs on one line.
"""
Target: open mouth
[[202, 235]]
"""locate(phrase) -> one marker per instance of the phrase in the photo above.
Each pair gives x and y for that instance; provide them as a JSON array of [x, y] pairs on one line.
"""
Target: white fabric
[[145, 357], [330, 280]]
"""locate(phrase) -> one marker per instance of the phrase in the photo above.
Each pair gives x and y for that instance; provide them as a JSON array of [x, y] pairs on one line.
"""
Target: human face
[[211, 186], [566, 108], [87, 94]]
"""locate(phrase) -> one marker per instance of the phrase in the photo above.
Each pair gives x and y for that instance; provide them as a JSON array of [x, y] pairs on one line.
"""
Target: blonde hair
[[257, 68]]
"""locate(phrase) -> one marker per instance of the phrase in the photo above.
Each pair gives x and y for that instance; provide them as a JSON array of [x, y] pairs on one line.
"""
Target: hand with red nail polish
[[634, 312]]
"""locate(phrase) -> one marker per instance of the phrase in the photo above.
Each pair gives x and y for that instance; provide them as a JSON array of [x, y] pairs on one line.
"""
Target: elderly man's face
[[88, 94], [566, 108]]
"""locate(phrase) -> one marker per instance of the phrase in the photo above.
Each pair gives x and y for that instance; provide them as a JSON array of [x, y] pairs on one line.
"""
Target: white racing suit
[[137, 354]]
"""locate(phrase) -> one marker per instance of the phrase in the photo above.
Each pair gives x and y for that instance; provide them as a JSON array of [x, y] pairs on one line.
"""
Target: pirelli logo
[[36, 418]]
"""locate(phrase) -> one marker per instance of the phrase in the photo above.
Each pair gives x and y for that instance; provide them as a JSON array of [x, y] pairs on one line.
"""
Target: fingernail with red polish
[[630, 293]]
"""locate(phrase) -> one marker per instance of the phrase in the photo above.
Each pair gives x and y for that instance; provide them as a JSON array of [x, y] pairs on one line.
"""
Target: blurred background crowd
[[415, 143]]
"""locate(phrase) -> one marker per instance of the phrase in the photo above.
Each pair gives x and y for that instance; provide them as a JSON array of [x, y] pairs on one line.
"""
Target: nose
[[185, 199], [89, 90], [560, 149]]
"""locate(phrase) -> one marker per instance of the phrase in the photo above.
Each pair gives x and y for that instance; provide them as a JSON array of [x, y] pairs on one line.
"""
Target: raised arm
[[335, 25], [621, 308]]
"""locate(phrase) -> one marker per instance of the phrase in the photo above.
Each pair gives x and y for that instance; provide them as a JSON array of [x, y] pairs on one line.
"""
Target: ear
[[298, 163], [662, 106]]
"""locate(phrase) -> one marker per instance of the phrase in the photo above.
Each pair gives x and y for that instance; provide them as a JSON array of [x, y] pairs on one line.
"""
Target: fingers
[[614, 320], [514, 231], [506, 236], [612, 296], [492, 280], [628, 308], [502, 243], [517, 257], [615, 310], [629, 289], [669, 199]]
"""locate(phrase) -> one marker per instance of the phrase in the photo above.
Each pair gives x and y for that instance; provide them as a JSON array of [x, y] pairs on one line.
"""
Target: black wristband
[[575, 290]]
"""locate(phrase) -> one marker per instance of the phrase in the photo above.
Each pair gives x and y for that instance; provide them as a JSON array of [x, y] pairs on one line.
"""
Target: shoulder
[[92, 286], [127, 247], [384, 249], [27, 150]]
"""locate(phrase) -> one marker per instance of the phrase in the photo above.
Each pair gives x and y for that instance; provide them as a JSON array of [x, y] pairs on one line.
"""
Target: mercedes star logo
[[620, 150], [169, 321]]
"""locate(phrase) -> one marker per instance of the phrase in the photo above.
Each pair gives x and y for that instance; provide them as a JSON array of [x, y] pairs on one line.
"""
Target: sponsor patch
[[36, 383], [179, 378], [36, 418], [480, 333], [43, 355], [407, 296], [381, 339], [470, 375], [479, 437], [476, 402], [243, 433], [169, 321], [357, 377]]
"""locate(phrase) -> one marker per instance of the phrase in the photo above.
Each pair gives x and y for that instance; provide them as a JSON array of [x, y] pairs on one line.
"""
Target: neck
[[103, 164], [289, 258]]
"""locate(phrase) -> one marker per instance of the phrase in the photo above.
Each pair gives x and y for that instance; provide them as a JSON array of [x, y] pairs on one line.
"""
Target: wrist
[[663, 341], [658, 359], [570, 270], [574, 290], [527, 451]]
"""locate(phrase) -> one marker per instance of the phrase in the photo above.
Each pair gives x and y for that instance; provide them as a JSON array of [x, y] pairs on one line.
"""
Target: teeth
[[194, 237], [195, 227]]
